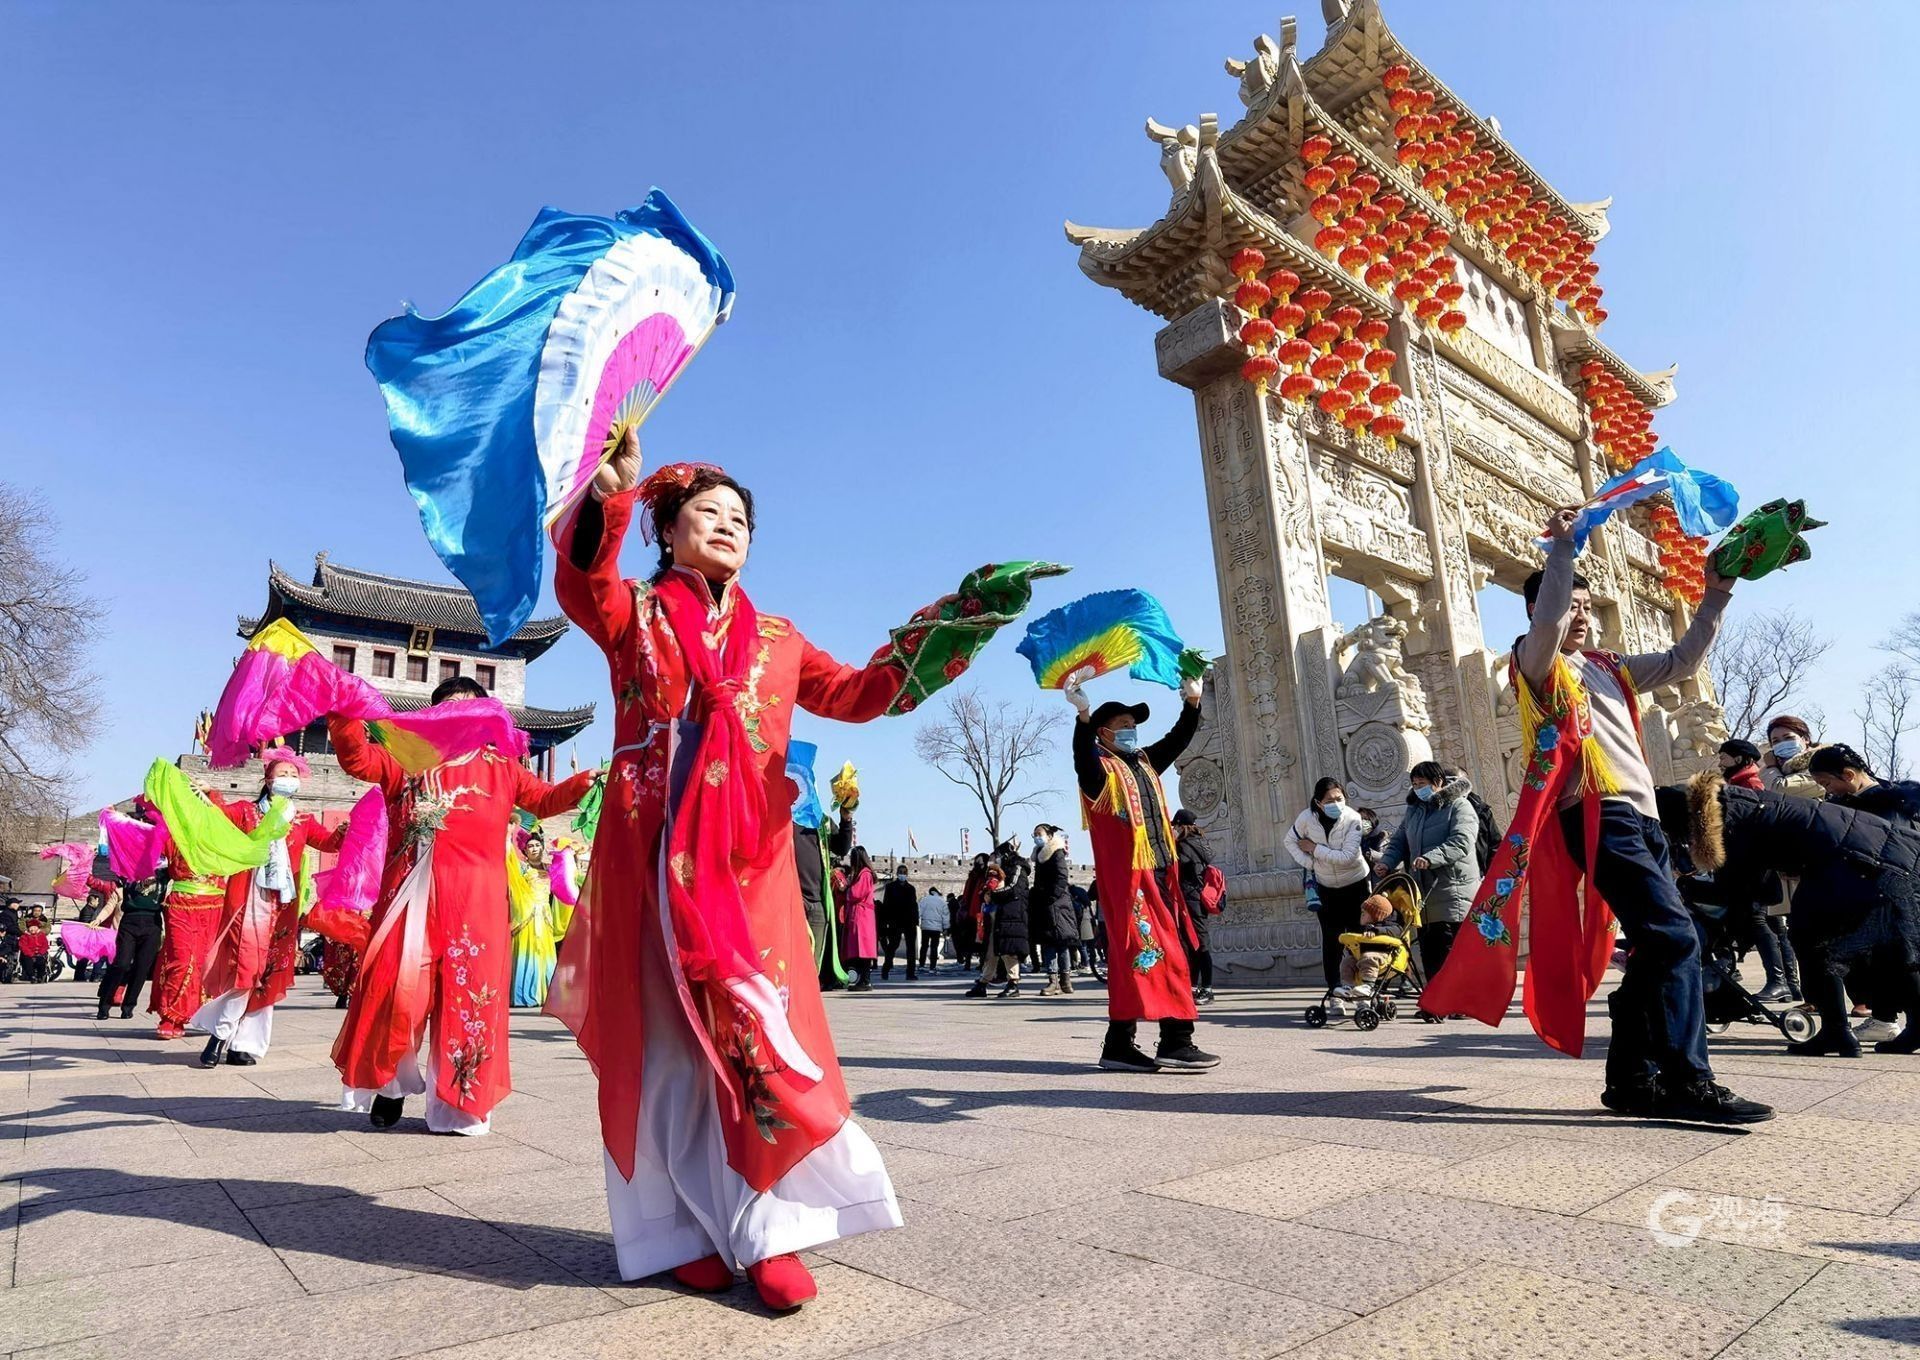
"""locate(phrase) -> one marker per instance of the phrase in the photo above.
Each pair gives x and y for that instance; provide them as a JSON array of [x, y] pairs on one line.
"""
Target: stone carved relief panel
[[1360, 511], [1519, 445]]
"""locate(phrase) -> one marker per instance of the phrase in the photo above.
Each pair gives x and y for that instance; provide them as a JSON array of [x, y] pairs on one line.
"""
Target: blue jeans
[[1659, 1010]]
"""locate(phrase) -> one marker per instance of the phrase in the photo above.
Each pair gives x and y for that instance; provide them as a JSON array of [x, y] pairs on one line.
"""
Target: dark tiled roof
[[394, 599], [525, 718]]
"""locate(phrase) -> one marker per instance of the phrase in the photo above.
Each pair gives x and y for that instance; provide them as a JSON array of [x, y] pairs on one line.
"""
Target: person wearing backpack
[[1199, 879], [1436, 844]]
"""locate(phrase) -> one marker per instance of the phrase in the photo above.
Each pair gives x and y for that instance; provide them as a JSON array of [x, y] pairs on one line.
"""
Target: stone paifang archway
[[1500, 427]]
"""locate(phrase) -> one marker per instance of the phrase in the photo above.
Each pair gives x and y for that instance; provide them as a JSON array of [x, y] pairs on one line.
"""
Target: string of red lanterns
[[1331, 355], [1494, 203], [1372, 236], [1683, 558], [1623, 431]]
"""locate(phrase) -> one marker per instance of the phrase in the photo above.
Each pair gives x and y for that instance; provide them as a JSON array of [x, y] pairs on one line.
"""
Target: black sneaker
[[1638, 1102], [235, 1058], [1129, 1059], [1705, 1102], [214, 1053], [386, 1111], [1187, 1058]]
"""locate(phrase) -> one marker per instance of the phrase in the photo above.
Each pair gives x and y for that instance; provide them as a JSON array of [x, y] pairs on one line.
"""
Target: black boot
[[104, 1008], [214, 1053], [235, 1058], [340, 1002], [385, 1112]]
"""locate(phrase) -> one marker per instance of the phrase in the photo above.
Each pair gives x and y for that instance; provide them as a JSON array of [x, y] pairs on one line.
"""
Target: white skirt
[[684, 1202]]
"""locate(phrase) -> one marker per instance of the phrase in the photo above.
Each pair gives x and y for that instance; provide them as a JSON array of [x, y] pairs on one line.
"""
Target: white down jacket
[[1337, 860]]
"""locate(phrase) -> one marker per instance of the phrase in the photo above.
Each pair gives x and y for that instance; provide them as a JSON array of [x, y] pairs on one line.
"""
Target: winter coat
[[1338, 860], [899, 905], [1083, 913], [856, 914], [933, 912], [1194, 859], [1009, 908], [1443, 831], [1792, 778], [1051, 906], [1859, 889], [1897, 800]]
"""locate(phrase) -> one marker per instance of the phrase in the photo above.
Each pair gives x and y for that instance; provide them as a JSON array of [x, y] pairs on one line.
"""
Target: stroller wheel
[[1389, 1008], [1719, 1026], [1798, 1025], [1316, 1017], [1366, 1018]]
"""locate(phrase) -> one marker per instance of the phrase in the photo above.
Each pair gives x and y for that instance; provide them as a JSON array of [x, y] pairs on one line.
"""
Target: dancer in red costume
[[691, 983], [252, 964], [437, 968], [194, 913]]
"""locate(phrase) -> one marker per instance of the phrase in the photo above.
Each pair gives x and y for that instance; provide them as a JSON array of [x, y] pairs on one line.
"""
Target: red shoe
[[168, 1030], [708, 1275], [784, 1283]]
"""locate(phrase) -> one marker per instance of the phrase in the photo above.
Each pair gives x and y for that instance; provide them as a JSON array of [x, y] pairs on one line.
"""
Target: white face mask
[[1127, 739], [284, 787]]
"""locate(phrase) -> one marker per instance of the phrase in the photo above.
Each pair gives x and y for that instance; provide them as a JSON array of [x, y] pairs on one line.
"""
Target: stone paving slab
[[1420, 1190]]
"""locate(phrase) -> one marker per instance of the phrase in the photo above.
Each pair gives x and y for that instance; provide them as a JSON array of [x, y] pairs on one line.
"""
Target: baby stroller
[[1371, 1004], [1727, 1002]]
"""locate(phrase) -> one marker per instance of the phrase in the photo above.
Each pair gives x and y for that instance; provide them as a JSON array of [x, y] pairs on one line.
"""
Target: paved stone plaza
[[1413, 1191]]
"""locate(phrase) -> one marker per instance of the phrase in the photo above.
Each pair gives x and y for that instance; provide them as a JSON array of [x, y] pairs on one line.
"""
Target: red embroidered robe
[[257, 946], [1145, 912], [772, 1115], [195, 911], [460, 983]]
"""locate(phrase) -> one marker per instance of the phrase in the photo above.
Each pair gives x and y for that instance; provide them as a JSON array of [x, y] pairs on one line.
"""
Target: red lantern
[[1450, 293], [1296, 388], [1427, 309], [1356, 383], [1325, 208], [1371, 331], [1379, 275], [1409, 154], [1423, 101], [1289, 316], [1327, 369], [1282, 282], [1396, 76], [1346, 317], [1392, 204], [1294, 353], [1344, 165], [1319, 179], [1452, 323], [1356, 416], [1328, 240], [1335, 401], [1380, 362], [1247, 262], [1251, 296], [1407, 290], [1353, 258], [1259, 368], [1316, 149], [1387, 428], [1384, 395], [1404, 101], [1350, 352], [1367, 183], [1316, 300], [1407, 128], [1322, 334], [1258, 333]]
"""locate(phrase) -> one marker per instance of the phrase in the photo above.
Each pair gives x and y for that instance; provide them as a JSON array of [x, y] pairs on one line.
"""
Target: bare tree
[[1905, 642], [1760, 664], [1889, 710], [988, 748], [47, 696]]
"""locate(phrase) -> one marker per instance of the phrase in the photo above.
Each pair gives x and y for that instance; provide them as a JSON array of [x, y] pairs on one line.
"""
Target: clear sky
[[210, 205]]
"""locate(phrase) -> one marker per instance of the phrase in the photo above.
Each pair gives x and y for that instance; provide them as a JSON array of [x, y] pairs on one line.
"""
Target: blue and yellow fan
[[1114, 630]]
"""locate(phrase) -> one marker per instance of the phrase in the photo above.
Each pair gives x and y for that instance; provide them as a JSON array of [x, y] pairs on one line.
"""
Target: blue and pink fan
[[503, 407]]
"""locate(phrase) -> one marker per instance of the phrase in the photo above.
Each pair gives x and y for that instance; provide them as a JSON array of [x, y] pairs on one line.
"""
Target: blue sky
[[214, 203]]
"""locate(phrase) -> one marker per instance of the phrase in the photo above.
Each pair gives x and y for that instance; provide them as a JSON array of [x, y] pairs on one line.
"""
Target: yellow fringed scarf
[[1121, 798], [1566, 697]]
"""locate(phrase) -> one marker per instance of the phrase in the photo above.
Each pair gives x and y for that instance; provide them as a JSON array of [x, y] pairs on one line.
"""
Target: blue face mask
[[1786, 750], [1424, 792], [1127, 739]]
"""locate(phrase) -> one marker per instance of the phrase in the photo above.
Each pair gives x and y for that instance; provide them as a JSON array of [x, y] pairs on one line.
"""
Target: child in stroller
[[1376, 955]]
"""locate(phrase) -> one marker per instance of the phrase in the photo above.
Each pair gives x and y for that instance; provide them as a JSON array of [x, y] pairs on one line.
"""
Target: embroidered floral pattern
[[716, 774], [1487, 917], [744, 1054], [469, 1045], [682, 865], [1149, 955]]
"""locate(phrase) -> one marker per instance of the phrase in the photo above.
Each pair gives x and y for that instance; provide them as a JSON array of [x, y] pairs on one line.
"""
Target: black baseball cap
[[1113, 708]]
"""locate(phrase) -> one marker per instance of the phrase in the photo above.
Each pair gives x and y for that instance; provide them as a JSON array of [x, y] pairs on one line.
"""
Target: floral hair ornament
[[286, 755], [663, 483]]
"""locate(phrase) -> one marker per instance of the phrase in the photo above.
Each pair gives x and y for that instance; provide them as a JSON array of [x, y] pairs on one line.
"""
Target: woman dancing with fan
[[726, 1121]]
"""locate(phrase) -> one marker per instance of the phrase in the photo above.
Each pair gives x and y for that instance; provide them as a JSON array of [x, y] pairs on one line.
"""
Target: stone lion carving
[[1701, 728], [1379, 660]]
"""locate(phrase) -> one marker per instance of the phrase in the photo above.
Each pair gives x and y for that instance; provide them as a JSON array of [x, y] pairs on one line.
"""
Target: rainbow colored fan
[[1114, 630]]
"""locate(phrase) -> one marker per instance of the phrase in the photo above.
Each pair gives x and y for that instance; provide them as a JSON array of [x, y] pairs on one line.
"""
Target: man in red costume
[[437, 967], [1137, 870], [252, 964], [1588, 800]]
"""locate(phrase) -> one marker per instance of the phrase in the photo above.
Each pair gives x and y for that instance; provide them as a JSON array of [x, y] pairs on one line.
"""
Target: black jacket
[[1092, 776], [1897, 800], [899, 906], [1194, 860], [1051, 906], [1859, 874], [1010, 921]]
